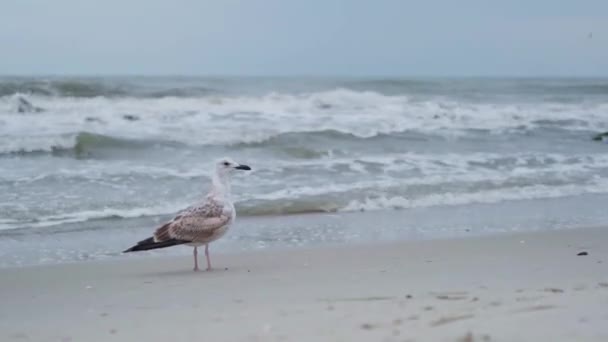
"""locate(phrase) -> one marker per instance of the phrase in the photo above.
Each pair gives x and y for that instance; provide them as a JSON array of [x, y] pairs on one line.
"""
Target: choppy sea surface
[[88, 165]]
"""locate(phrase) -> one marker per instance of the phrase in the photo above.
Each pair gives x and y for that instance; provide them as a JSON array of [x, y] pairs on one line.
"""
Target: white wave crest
[[86, 215], [229, 120], [488, 196]]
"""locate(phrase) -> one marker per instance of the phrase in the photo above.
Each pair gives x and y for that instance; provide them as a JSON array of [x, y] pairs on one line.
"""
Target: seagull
[[201, 223]]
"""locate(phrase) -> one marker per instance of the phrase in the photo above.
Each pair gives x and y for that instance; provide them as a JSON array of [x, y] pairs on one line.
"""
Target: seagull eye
[[226, 163]]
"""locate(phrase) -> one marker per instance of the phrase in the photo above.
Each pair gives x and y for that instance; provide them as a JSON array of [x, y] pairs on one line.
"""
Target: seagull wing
[[197, 223]]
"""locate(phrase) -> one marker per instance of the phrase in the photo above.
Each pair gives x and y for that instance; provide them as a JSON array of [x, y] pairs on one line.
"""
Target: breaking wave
[[328, 203], [98, 87], [274, 119]]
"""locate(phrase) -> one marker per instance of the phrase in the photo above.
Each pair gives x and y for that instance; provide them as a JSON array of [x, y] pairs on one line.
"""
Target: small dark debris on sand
[[367, 326], [130, 117], [582, 253], [409, 296]]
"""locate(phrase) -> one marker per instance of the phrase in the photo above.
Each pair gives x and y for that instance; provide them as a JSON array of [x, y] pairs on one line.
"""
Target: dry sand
[[515, 287]]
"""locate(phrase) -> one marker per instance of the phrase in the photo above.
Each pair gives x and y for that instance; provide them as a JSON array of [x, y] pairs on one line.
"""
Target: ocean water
[[89, 165]]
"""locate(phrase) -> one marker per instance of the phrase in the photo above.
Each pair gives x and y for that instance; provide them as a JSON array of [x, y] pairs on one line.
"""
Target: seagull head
[[226, 166]]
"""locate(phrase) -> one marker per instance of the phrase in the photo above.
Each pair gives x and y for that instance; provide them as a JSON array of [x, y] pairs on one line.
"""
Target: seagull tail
[[149, 243]]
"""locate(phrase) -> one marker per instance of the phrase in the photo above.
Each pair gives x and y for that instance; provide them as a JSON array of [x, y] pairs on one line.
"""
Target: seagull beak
[[243, 167]]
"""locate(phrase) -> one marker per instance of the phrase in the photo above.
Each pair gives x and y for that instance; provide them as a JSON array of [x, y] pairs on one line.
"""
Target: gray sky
[[305, 37]]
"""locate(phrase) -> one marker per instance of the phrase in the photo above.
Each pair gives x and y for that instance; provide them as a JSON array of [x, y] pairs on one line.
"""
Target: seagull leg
[[208, 259], [195, 253]]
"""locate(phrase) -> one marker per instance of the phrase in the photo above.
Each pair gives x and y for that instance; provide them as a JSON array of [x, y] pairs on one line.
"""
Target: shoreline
[[105, 239], [503, 287], [161, 254]]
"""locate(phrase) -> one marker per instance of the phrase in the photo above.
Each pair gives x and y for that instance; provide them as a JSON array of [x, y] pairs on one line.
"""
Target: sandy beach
[[508, 287]]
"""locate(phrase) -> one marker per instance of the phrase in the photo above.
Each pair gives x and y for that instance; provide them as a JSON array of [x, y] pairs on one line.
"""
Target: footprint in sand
[[494, 303], [469, 337], [451, 295], [358, 299], [451, 319], [535, 308], [528, 298]]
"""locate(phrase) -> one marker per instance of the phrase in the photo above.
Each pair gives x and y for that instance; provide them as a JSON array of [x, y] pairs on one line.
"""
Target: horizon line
[[315, 76]]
